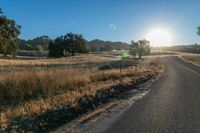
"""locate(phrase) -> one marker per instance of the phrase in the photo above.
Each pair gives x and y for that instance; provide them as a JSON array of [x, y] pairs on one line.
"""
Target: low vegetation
[[40, 88]]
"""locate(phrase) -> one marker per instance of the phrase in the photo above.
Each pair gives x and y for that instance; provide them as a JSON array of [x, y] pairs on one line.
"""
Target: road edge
[[111, 111]]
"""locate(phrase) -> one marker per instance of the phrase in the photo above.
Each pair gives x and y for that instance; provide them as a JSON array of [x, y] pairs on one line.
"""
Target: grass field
[[191, 58], [32, 87]]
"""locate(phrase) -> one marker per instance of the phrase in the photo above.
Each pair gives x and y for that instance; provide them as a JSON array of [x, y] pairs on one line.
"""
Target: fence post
[[120, 66]]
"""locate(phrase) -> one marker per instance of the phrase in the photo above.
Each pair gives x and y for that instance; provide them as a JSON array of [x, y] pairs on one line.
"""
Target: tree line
[[72, 43]]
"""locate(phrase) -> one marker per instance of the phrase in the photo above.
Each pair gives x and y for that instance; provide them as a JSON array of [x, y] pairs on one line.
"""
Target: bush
[[105, 67]]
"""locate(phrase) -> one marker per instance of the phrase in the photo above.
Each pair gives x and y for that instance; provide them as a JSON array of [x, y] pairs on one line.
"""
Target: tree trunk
[[140, 55]]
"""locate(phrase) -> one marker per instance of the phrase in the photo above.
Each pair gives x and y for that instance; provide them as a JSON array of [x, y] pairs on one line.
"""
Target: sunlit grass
[[31, 91], [194, 59]]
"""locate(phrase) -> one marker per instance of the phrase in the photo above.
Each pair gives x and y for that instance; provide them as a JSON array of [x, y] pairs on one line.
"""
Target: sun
[[159, 37]]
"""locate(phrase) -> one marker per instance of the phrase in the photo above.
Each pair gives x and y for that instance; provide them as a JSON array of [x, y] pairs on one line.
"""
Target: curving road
[[172, 105]]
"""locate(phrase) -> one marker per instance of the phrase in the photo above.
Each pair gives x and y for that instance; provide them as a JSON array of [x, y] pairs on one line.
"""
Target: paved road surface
[[172, 105]]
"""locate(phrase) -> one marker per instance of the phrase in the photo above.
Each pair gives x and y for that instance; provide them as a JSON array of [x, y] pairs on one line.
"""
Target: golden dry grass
[[79, 59], [194, 59], [27, 92]]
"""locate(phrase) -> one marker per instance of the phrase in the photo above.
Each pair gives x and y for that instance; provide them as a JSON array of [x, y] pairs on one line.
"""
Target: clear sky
[[116, 20]]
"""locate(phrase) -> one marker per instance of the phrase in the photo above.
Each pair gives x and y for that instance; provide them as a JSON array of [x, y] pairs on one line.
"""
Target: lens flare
[[159, 37]]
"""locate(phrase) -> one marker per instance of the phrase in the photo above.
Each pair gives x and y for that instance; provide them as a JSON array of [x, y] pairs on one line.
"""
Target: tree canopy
[[70, 43], [9, 33], [141, 47]]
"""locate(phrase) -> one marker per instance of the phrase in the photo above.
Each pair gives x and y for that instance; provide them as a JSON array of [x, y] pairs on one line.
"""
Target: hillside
[[32, 44], [100, 45], [95, 45]]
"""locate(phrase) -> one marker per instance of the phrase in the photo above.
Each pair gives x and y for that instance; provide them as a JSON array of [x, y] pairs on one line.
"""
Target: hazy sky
[[116, 20]]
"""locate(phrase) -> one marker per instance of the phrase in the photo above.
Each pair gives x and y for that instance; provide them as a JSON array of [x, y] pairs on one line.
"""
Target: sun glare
[[159, 37]]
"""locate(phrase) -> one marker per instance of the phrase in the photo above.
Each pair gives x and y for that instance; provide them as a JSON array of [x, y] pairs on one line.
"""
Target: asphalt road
[[171, 106]]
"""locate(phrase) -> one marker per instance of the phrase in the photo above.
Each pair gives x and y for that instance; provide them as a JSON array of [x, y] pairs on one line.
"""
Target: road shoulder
[[101, 118]]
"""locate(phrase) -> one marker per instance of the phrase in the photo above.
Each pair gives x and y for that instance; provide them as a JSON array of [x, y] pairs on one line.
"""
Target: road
[[171, 106]]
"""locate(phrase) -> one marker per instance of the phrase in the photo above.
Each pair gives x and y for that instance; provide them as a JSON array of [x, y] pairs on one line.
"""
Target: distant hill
[[100, 45], [42, 42]]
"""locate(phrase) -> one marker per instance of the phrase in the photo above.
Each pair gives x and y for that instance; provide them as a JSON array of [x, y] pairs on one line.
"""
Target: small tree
[[142, 47], [133, 48]]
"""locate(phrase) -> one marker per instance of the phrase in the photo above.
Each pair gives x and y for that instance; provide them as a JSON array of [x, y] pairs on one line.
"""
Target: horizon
[[116, 41], [106, 20]]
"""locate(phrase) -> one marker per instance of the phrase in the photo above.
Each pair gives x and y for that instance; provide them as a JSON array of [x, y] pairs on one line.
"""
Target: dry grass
[[23, 85], [27, 92], [194, 59], [99, 111], [76, 60]]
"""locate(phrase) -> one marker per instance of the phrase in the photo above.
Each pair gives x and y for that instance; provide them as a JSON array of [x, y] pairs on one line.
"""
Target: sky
[[115, 20]]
